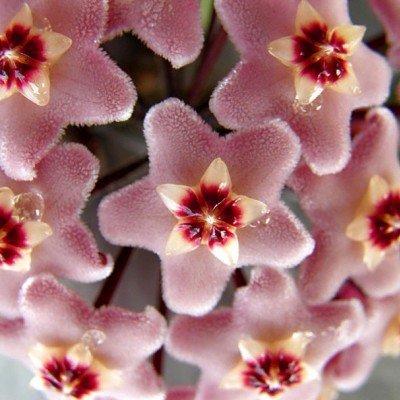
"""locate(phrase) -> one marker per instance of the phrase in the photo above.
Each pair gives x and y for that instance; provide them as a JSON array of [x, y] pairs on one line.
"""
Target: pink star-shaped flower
[[270, 345], [355, 216], [63, 75], [316, 50], [49, 208], [181, 149], [102, 352], [351, 368], [171, 29]]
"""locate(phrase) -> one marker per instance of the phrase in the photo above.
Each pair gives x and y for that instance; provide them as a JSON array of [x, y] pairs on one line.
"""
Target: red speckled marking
[[13, 238], [272, 373], [385, 222], [77, 380], [308, 50], [199, 206], [21, 56]]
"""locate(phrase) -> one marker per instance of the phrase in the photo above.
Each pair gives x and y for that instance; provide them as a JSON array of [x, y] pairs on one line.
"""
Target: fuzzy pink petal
[[198, 341], [260, 160], [352, 367], [335, 325], [10, 285], [53, 314], [136, 216], [86, 88], [140, 382], [282, 242], [193, 282], [181, 393], [12, 338], [173, 128], [140, 333], [171, 29]]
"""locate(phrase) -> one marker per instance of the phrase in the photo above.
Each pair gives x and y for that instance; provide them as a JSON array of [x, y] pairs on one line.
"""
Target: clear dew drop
[[263, 221], [29, 206], [44, 24], [93, 338], [300, 108]]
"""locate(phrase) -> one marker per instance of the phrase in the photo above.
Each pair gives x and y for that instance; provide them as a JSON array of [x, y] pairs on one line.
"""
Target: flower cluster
[[298, 135]]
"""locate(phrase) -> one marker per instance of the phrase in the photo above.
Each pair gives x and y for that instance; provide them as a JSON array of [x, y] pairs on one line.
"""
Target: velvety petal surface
[[65, 178], [86, 87], [171, 28], [181, 148], [181, 393], [332, 201], [260, 87]]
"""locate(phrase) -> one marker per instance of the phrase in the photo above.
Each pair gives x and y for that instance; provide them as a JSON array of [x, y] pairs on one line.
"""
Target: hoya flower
[[54, 74], [270, 345], [203, 207], [355, 216], [350, 369], [77, 352], [388, 11], [170, 28], [307, 67], [40, 226]]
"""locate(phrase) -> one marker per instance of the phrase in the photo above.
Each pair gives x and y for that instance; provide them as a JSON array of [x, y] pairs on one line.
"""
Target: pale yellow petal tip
[[391, 341], [358, 229]]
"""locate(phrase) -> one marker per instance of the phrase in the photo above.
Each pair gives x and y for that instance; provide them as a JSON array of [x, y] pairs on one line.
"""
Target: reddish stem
[[118, 174], [110, 285], [212, 50], [238, 278]]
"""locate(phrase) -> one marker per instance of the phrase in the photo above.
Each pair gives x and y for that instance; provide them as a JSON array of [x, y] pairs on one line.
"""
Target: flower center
[[318, 55], [272, 373], [21, 228], [26, 53], [73, 371], [385, 222], [209, 214]]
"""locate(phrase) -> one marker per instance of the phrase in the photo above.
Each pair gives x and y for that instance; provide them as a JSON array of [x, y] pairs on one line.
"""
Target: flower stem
[[158, 358], [213, 47], [110, 285], [238, 278], [118, 174]]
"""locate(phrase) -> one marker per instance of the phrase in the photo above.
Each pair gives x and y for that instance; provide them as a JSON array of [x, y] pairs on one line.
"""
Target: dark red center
[[209, 215], [21, 56], [272, 373], [321, 56], [69, 378], [13, 238], [384, 223]]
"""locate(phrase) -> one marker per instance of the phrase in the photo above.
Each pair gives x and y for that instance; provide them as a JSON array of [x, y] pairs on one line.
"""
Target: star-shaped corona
[[21, 228], [209, 214], [377, 221], [270, 369], [26, 56], [319, 55], [72, 371]]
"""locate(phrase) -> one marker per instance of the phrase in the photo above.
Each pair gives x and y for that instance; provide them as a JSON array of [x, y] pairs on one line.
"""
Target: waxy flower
[[170, 28], [183, 151], [351, 368], [270, 345], [40, 227], [50, 54], [355, 216], [79, 353], [181, 393], [322, 73]]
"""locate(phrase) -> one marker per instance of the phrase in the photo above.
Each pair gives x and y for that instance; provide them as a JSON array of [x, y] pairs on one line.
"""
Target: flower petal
[[55, 44], [37, 231], [347, 83], [306, 15], [6, 200], [184, 238], [171, 30], [23, 17], [307, 90], [180, 200], [283, 50], [352, 35], [37, 89], [46, 306], [224, 245], [193, 282]]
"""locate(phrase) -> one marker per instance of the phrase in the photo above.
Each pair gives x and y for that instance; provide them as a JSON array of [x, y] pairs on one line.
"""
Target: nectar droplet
[[29, 206], [301, 108], [93, 338]]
